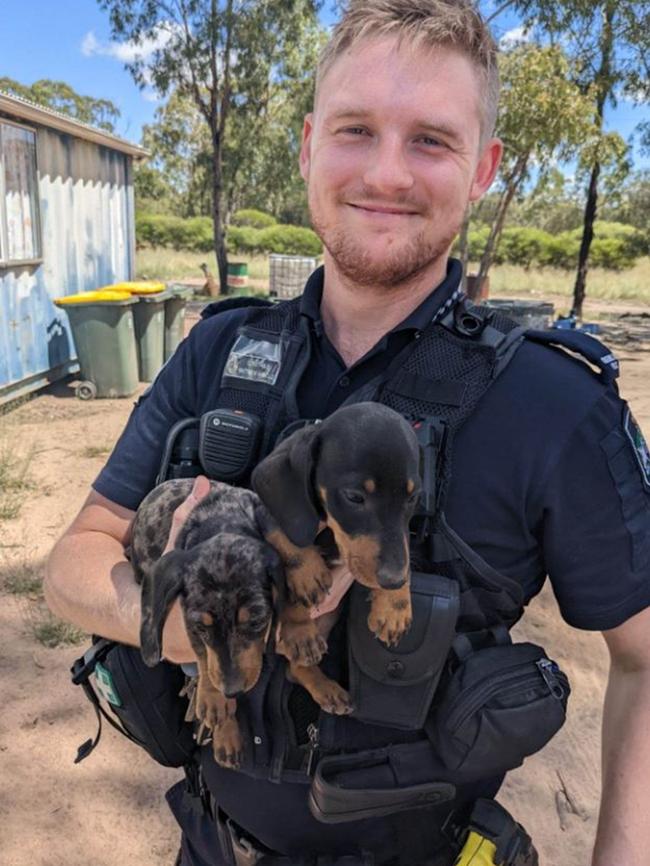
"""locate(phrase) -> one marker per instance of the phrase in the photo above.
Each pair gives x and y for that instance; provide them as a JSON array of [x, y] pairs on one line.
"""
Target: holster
[[394, 686]]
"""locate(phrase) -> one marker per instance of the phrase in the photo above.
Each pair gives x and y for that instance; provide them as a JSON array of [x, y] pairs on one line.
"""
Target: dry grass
[[163, 264], [23, 577], [630, 285], [96, 450], [14, 479], [505, 280], [53, 632]]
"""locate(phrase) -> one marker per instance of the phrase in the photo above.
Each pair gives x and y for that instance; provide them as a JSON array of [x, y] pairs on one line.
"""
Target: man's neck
[[356, 317]]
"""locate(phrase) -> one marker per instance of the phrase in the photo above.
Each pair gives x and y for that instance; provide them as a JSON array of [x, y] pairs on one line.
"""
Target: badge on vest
[[254, 360], [639, 445]]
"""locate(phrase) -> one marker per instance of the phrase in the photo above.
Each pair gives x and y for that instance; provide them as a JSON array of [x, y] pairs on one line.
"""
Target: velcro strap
[[447, 392]]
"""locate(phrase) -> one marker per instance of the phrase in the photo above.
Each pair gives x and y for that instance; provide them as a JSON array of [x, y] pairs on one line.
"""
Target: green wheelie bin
[[103, 332], [175, 316], [149, 319]]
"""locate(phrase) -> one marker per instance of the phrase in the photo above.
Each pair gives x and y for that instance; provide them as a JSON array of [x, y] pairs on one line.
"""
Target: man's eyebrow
[[437, 127]]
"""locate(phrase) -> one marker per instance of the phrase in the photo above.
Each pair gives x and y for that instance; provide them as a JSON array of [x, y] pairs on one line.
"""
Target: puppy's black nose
[[233, 691], [390, 579]]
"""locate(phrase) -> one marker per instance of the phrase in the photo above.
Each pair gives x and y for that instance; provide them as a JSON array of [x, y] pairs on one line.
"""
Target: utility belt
[[483, 835]]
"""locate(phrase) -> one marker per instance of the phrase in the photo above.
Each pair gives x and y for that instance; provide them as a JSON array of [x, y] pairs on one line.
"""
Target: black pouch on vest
[[146, 702], [501, 704], [394, 686]]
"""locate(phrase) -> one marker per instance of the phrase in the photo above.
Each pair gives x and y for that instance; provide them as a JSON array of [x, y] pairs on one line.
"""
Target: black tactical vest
[[435, 383]]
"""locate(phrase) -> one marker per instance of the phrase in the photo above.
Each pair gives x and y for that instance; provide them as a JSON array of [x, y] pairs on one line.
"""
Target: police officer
[[550, 473]]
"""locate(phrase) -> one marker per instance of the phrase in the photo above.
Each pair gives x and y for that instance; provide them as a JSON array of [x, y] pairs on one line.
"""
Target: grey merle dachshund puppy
[[241, 555]]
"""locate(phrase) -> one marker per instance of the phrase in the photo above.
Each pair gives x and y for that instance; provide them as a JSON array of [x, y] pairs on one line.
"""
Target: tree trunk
[[512, 186], [218, 212], [591, 209], [604, 81]]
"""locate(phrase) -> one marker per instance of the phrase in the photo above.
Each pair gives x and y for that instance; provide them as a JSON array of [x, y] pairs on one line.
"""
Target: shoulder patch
[[639, 445]]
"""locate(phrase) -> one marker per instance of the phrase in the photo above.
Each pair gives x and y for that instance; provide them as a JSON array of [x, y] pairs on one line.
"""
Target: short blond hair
[[425, 24]]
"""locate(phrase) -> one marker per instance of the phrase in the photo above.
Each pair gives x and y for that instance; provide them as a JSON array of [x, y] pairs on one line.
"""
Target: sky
[[70, 41]]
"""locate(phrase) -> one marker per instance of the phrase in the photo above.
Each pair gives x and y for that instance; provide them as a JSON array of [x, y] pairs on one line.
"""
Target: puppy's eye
[[354, 497]]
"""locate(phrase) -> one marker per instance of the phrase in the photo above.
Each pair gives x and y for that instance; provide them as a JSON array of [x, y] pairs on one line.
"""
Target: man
[[544, 478]]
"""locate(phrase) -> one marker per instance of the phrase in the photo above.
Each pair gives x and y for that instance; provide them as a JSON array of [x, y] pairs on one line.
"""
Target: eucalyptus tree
[[544, 118], [609, 40], [228, 56], [61, 97]]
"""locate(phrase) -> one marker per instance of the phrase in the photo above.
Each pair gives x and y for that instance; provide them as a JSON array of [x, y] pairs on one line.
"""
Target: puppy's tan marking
[[390, 614], [207, 619], [243, 615], [410, 486], [308, 578], [369, 485], [249, 663], [329, 695], [227, 743], [361, 553]]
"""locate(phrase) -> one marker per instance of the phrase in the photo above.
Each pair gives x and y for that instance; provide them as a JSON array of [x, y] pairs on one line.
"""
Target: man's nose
[[388, 171]]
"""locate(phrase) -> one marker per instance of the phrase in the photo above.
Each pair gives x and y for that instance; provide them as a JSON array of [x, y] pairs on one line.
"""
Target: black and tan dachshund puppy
[[356, 474], [225, 575]]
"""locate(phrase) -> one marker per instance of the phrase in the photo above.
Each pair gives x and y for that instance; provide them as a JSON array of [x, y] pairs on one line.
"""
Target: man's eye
[[429, 142], [355, 130]]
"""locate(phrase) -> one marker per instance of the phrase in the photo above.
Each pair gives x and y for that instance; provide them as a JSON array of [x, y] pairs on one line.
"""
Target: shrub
[[522, 246], [241, 239], [614, 254], [290, 240], [255, 219]]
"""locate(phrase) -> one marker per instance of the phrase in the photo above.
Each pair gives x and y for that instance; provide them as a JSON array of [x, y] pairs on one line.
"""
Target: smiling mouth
[[382, 210]]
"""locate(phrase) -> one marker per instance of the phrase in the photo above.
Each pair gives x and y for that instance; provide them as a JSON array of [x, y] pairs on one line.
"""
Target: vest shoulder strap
[[587, 347], [236, 303]]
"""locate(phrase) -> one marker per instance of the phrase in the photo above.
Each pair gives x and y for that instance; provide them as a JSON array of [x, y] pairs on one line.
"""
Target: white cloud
[[514, 36], [129, 51]]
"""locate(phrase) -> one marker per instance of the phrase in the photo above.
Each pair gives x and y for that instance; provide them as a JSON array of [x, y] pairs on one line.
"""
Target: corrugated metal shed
[[85, 195]]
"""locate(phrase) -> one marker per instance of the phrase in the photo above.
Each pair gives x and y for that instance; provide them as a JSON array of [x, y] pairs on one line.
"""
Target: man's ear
[[283, 481], [305, 147], [486, 169]]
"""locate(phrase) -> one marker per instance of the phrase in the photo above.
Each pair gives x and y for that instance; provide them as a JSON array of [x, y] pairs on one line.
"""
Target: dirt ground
[[109, 810]]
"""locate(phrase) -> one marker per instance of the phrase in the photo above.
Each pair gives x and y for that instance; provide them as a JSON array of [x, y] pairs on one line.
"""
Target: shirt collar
[[416, 321]]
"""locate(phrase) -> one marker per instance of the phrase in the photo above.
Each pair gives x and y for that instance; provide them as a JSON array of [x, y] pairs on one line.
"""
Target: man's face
[[391, 158]]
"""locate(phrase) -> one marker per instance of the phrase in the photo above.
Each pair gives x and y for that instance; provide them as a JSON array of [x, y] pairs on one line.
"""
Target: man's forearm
[[623, 835], [90, 582]]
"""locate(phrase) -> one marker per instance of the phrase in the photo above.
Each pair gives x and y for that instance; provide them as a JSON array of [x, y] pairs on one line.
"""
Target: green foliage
[[61, 97], [255, 219], [195, 234], [291, 240]]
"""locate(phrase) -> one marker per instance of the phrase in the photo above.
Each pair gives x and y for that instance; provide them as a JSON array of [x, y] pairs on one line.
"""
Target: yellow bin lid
[[99, 296], [142, 287]]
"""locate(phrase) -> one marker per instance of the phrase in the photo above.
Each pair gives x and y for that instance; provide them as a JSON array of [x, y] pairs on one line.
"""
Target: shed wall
[[87, 225]]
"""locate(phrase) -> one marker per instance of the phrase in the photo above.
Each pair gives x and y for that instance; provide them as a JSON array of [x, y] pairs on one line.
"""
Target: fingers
[[199, 491]]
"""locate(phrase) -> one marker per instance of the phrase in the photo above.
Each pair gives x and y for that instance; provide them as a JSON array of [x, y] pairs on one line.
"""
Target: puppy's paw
[[212, 708], [228, 744], [301, 644], [390, 616], [334, 699], [308, 580]]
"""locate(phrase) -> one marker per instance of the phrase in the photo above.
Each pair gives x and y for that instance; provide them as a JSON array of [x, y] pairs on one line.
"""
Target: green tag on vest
[[105, 686]]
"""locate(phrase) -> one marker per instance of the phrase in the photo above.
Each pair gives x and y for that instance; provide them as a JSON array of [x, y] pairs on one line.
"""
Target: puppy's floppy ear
[[283, 481], [159, 589]]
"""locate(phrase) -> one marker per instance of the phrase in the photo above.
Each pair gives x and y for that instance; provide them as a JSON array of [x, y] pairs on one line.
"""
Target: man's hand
[[199, 491], [342, 580]]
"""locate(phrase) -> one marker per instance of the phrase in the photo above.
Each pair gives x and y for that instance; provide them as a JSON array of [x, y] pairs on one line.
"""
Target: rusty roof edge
[[23, 109]]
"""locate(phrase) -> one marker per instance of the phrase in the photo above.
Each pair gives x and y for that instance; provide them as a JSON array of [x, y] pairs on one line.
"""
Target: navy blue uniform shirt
[[544, 478], [544, 481]]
